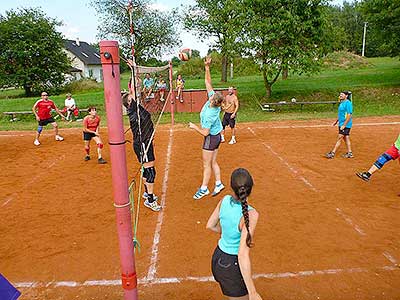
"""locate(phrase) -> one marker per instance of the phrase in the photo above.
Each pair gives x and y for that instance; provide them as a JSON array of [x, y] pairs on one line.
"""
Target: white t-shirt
[[70, 103]]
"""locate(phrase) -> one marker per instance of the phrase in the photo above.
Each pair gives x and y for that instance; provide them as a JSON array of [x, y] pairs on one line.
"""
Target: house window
[[91, 73]]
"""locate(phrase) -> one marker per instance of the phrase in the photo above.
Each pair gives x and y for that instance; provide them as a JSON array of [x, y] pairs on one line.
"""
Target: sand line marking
[[172, 280], [154, 250], [349, 221], [32, 180], [290, 167], [391, 258], [322, 125]]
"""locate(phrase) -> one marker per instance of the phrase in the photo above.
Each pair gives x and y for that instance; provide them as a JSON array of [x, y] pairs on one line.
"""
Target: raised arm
[[207, 77]]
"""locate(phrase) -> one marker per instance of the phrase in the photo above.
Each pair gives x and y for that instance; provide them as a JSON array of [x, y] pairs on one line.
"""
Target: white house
[[85, 60]]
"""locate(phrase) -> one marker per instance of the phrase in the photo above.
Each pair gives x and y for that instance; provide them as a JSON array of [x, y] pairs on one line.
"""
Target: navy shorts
[[227, 120], [140, 149], [46, 121], [345, 131], [226, 271], [211, 142], [87, 136]]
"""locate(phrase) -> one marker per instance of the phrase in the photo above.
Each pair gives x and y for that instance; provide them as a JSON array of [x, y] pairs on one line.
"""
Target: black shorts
[[227, 120], [345, 131], [46, 121], [211, 142], [87, 136], [140, 151], [226, 271]]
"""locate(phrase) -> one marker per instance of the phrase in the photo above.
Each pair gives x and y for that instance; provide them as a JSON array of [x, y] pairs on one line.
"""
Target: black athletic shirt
[[146, 124]]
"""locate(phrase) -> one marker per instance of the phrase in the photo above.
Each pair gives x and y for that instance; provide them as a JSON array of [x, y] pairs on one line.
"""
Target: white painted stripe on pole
[[291, 168], [154, 250], [390, 258], [349, 221]]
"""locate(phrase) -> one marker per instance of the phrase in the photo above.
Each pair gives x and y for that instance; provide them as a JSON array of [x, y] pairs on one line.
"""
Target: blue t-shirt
[[209, 117], [230, 214], [148, 82], [345, 108]]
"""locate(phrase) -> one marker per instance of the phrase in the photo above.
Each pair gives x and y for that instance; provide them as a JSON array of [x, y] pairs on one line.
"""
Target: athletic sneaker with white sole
[[232, 141], [218, 188], [201, 193], [145, 196], [154, 206], [36, 143], [59, 138], [222, 138]]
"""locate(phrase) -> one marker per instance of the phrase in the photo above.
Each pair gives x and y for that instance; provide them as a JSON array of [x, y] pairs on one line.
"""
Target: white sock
[[218, 182], [233, 137], [203, 187]]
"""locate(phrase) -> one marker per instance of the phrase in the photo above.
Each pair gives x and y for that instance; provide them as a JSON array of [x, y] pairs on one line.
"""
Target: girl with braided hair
[[236, 221]]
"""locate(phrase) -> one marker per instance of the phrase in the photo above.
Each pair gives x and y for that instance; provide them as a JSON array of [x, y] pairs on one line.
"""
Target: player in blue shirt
[[345, 122], [210, 128]]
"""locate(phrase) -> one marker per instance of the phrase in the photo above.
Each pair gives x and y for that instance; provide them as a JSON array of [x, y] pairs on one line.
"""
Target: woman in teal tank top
[[236, 221]]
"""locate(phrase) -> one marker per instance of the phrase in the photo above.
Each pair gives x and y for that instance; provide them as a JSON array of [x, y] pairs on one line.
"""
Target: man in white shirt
[[70, 106]]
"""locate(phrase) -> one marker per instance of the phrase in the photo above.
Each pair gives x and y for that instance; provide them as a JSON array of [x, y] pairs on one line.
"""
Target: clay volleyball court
[[322, 232]]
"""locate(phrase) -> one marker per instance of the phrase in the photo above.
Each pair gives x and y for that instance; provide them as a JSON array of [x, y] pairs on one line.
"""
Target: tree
[[219, 19], [155, 33], [283, 34], [383, 17], [31, 51]]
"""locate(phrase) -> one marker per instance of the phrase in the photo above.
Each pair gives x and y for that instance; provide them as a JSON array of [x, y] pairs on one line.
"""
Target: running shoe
[[348, 155], [330, 155], [218, 188], [146, 196], [232, 141], [59, 138], [222, 138], [87, 157], [36, 143], [101, 161], [154, 206], [364, 176], [201, 193]]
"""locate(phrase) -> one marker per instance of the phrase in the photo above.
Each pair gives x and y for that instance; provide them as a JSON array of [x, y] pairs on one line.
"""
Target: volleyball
[[185, 54]]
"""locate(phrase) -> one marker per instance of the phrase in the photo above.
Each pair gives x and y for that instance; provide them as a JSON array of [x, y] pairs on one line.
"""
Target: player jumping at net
[[211, 128], [143, 146], [391, 154], [42, 110], [91, 125], [345, 120], [230, 107], [236, 221]]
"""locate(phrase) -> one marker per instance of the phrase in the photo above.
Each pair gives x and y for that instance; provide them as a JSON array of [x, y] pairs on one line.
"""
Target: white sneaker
[[218, 188], [222, 139], [36, 143], [59, 138], [154, 206], [232, 141], [145, 196]]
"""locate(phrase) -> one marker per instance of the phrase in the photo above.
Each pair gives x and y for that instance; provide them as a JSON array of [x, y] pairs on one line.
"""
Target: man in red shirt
[[42, 110], [91, 130]]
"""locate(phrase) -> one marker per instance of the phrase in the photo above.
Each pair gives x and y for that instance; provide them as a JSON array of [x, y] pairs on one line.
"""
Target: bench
[[14, 114], [268, 106]]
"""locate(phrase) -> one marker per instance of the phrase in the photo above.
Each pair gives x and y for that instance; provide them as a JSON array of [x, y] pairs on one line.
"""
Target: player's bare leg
[[57, 136], [217, 173], [99, 144]]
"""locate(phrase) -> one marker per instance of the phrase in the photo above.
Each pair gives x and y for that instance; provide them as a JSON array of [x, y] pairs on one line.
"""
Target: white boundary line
[[291, 168], [322, 125], [349, 221], [390, 258], [172, 280], [154, 250]]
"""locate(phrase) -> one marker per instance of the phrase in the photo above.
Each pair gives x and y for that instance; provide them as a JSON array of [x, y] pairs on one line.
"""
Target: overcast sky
[[80, 20]]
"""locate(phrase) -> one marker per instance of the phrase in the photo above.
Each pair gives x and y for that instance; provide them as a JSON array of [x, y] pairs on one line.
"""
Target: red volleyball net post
[[171, 93], [112, 94]]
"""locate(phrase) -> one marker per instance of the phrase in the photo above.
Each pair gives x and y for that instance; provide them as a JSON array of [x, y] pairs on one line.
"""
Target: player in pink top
[[42, 110], [91, 124]]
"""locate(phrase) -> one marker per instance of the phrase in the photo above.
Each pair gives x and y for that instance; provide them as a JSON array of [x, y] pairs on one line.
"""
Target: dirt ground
[[322, 233]]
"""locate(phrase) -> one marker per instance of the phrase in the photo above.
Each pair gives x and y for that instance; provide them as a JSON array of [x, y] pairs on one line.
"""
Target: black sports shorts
[[227, 120], [140, 149], [87, 136], [345, 131], [211, 142], [226, 271], [46, 121]]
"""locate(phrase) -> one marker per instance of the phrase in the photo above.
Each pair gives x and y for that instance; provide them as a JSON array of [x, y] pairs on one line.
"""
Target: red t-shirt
[[44, 108], [91, 123]]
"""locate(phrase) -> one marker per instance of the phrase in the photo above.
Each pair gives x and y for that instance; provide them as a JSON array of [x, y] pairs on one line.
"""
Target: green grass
[[376, 92]]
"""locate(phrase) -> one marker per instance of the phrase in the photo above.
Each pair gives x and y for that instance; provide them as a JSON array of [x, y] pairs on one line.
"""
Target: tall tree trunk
[[267, 84], [224, 70], [28, 90], [285, 73]]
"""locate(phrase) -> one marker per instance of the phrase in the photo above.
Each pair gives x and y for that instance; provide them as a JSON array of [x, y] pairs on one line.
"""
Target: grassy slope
[[376, 91]]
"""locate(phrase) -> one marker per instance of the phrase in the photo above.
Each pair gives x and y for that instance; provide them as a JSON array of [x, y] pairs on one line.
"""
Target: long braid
[[245, 211]]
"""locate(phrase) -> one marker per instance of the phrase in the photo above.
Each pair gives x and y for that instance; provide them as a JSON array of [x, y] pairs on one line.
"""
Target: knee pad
[[100, 145], [149, 174], [382, 160], [40, 129]]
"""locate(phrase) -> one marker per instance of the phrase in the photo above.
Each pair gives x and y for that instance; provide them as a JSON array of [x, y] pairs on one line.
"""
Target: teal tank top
[[230, 214]]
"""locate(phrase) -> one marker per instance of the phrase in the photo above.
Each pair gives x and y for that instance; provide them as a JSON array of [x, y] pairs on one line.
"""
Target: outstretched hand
[[207, 61]]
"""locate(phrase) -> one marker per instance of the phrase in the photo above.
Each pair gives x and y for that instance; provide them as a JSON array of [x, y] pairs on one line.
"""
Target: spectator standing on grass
[[230, 106], [42, 110], [345, 122], [236, 221]]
